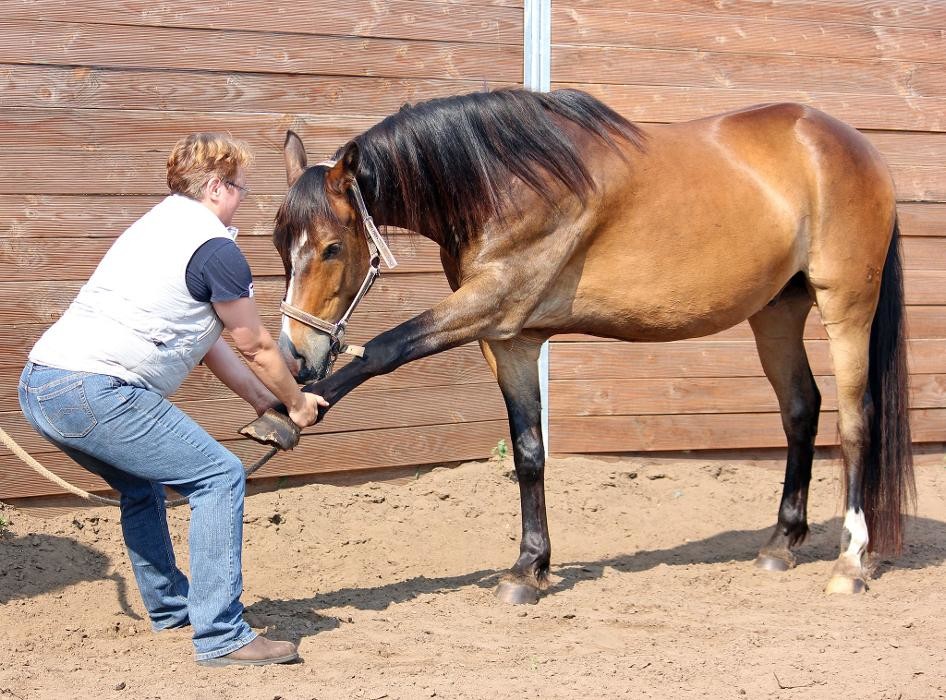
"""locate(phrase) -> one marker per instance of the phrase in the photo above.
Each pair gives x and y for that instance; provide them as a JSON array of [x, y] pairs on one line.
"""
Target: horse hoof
[[845, 585], [767, 562], [517, 593]]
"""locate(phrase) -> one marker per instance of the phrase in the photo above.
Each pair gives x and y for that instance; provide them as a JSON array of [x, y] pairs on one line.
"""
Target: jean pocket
[[67, 410]]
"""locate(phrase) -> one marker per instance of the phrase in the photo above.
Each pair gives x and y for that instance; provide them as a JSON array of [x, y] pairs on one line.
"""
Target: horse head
[[320, 237]]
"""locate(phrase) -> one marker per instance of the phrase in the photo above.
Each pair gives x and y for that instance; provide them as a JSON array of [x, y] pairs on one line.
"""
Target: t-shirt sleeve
[[218, 271]]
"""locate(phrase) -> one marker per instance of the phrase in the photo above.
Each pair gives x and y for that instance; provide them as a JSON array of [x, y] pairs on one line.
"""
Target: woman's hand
[[306, 412]]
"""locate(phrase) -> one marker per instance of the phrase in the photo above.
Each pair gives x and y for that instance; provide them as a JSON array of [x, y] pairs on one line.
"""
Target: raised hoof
[[767, 562], [845, 585], [517, 593]]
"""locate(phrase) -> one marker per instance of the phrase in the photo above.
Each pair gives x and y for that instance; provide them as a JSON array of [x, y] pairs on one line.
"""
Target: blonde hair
[[198, 157]]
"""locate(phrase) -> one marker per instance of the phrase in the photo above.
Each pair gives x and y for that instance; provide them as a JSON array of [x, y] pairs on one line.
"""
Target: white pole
[[537, 75]]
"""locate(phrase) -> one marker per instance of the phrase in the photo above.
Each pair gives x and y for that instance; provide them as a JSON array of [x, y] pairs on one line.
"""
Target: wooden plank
[[19, 338], [316, 454], [922, 219], [703, 358], [909, 148], [77, 170], [631, 397], [583, 435], [392, 19], [919, 183], [925, 287], [62, 216], [41, 302], [101, 130], [674, 103], [44, 302], [170, 90], [922, 322], [83, 44], [454, 368], [718, 70], [923, 253], [365, 409], [903, 13], [600, 26], [75, 259], [33, 216]]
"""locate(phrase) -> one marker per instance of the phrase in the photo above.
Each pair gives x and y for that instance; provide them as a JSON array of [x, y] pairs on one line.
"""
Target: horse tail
[[888, 486]]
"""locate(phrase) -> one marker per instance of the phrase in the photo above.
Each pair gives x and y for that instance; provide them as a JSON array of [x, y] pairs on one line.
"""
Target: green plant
[[500, 452], [4, 524]]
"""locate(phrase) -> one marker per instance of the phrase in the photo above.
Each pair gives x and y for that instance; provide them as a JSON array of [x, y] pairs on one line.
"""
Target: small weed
[[4, 524], [500, 452]]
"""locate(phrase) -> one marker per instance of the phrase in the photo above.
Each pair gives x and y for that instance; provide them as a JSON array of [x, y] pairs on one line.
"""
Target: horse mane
[[439, 167]]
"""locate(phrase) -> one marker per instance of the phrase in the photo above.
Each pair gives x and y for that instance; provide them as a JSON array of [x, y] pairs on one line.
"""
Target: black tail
[[888, 486]]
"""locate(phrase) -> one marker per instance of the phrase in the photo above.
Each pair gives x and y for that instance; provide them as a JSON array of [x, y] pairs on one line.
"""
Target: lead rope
[[91, 497]]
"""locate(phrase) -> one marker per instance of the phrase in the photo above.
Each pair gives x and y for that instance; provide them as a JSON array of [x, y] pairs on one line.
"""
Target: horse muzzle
[[310, 362]]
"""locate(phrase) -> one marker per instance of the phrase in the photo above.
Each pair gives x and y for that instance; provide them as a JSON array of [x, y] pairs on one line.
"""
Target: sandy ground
[[387, 587]]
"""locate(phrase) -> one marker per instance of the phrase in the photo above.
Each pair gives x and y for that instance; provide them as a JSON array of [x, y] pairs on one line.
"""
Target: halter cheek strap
[[377, 251]]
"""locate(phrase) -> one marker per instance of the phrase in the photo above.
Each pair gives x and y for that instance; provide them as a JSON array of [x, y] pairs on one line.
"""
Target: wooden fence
[[93, 94]]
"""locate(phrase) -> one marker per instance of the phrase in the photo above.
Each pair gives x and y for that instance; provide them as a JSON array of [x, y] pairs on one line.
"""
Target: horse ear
[[351, 157], [341, 174], [294, 154]]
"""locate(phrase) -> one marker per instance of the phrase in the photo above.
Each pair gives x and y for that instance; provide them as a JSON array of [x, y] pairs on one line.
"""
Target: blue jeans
[[136, 441]]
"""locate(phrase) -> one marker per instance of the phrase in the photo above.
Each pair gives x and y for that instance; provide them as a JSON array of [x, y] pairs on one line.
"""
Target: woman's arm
[[233, 372], [258, 348]]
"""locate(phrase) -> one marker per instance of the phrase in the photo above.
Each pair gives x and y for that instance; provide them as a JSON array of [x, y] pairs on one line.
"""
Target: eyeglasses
[[243, 190]]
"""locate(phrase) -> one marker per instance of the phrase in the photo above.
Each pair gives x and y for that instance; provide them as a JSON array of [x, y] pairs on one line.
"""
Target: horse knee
[[801, 419], [529, 456]]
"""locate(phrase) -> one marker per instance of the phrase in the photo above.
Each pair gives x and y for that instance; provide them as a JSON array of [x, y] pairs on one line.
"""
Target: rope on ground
[[91, 497]]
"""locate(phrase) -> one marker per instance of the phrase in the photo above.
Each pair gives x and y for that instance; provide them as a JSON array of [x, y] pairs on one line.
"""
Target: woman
[[96, 385]]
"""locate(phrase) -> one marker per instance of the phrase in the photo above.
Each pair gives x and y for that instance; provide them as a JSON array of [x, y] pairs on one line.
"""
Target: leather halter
[[377, 251]]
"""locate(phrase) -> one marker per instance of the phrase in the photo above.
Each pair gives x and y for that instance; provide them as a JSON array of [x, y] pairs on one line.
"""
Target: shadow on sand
[[297, 617], [35, 564]]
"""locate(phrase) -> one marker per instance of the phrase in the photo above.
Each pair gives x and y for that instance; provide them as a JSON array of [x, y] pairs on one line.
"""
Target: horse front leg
[[470, 313], [516, 366]]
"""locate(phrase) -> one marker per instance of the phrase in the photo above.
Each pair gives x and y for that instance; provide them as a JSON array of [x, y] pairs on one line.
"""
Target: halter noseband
[[377, 251]]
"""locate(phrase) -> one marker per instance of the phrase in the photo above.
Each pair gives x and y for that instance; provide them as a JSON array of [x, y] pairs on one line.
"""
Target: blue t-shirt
[[218, 271]]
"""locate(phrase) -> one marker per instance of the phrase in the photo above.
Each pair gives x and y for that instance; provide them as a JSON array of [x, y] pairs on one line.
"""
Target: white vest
[[134, 319]]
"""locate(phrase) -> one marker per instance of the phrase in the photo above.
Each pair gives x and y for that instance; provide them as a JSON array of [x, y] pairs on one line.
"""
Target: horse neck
[[387, 209]]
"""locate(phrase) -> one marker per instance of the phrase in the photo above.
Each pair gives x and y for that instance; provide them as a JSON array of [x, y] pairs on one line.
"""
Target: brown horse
[[556, 215]]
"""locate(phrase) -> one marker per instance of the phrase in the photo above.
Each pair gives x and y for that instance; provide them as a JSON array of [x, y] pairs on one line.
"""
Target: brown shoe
[[259, 652]]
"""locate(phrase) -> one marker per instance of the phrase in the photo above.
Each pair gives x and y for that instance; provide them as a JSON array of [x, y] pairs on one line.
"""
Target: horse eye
[[331, 251]]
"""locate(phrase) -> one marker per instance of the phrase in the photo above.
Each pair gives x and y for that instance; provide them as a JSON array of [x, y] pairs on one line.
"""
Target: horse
[[554, 214]]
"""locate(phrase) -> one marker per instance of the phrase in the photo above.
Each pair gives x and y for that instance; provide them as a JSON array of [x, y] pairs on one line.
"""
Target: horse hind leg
[[849, 352], [779, 331], [516, 366]]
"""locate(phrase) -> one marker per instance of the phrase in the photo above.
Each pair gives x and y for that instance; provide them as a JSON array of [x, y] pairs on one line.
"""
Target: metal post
[[537, 75]]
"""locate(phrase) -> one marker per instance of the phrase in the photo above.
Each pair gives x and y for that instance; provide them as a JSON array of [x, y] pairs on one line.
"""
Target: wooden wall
[[881, 66], [93, 93]]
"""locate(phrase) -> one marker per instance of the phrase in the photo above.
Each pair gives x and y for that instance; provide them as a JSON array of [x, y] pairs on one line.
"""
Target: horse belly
[[673, 291]]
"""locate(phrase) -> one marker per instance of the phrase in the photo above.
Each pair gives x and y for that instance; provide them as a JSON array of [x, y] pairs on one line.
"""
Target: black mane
[[439, 167]]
